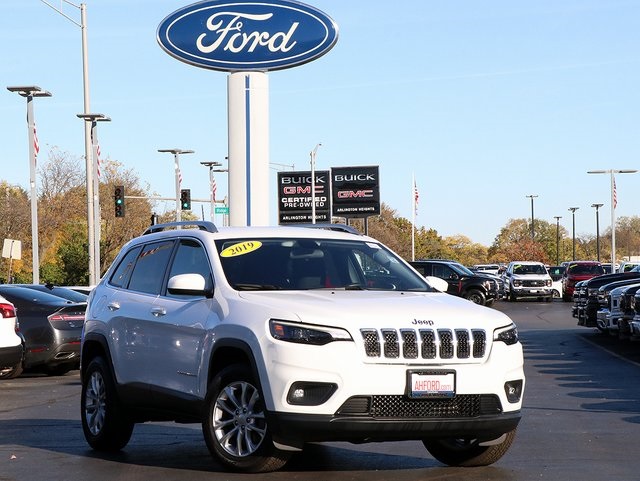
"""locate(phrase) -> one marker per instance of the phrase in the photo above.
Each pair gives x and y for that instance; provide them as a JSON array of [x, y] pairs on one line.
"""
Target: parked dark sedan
[[51, 327], [59, 291]]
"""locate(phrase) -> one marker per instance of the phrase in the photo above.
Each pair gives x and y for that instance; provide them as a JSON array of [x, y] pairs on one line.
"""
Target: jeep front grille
[[445, 344], [461, 406]]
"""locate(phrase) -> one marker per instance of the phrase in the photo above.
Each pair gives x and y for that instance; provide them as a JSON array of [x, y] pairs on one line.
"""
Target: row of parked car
[[40, 328], [610, 302], [486, 284]]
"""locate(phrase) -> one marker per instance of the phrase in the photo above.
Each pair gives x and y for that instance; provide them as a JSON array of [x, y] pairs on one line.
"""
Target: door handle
[[113, 306], [158, 311]]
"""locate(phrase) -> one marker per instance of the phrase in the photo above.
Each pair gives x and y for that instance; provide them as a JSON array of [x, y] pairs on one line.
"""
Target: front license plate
[[431, 384]]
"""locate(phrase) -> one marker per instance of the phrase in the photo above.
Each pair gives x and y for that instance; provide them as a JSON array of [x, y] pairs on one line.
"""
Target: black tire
[[512, 297], [476, 296], [235, 427], [105, 425], [468, 452], [11, 373], [556, 294]]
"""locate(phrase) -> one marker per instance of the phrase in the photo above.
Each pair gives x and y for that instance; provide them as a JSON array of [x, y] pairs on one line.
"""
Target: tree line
[[63, 243]]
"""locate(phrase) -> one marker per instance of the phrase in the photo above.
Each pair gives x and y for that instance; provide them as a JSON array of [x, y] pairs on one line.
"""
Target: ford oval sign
[[236, 35]]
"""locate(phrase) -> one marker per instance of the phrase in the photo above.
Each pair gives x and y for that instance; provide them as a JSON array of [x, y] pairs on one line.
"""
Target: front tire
[[235, 427], [468, 452], [476, 296], [104, 423]]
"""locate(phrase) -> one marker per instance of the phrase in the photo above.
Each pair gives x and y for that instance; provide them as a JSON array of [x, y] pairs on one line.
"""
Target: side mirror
[[189, 285], [437, 283]]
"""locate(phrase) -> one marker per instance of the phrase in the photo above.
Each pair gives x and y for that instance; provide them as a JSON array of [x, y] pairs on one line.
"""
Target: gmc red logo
[[355, 194]]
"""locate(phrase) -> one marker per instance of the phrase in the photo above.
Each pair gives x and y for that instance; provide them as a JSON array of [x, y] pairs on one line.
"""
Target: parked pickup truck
[[586, 303]]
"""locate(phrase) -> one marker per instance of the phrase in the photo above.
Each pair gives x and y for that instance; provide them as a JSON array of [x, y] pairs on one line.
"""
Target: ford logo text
[[236, 35]]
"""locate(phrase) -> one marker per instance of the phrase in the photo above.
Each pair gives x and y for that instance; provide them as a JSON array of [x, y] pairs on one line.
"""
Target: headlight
[[306, 333], [508, 335]]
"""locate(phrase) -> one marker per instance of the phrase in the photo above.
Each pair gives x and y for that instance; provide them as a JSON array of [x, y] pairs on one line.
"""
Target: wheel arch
[[93, 345], [228, 352]]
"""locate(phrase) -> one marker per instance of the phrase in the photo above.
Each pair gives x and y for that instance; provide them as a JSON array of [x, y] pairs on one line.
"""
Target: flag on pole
[[36, 144], [97, 156], [615, 195], [214, 188], [416, 197], [179, 175]]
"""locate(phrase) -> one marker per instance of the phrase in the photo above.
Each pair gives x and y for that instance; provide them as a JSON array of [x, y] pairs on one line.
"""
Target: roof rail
[[329, 226], [200, 224]]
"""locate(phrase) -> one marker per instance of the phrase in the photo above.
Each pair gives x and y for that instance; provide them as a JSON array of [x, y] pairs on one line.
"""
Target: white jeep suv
[[272, 337]]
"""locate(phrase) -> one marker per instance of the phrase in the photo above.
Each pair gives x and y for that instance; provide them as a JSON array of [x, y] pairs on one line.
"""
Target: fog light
[[513, 390], [306, 393]]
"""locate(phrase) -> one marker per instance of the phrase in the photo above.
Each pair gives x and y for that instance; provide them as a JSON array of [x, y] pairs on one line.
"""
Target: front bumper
[[294, 430], [531, 292]]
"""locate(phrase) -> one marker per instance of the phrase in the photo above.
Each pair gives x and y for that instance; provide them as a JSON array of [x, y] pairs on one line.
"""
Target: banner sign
[[245, 35], [355, 191], [294, 197]]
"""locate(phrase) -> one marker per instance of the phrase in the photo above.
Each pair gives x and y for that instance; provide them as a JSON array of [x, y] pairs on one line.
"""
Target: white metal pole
[[34, 195], [93, 278], [176, 157], [96, 199], [613, 224]]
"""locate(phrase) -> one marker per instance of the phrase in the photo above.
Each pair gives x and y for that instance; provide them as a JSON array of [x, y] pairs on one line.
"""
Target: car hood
[[375, 309]]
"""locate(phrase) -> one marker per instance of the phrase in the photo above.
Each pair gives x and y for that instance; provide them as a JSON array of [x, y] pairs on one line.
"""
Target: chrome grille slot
[[446, 343], [409, 343], [391, 346], [463, 351], [479, 343], [428, 338], [371, 342]]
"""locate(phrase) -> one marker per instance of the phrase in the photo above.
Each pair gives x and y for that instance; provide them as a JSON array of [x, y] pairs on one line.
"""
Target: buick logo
[[238, 35]]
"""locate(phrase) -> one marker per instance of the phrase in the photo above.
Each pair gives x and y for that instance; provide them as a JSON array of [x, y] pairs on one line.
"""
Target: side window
[[191, 258], [148, 273], [121, 275]]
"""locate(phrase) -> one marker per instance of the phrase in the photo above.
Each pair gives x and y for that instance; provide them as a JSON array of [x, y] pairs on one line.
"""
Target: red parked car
[[577, 271]]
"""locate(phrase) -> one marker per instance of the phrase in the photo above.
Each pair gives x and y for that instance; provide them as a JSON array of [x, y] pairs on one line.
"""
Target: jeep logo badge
[[237, 35]]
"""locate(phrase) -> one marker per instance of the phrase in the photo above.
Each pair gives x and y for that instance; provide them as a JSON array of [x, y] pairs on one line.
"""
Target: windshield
[[300, 264], [463, 270], [529, 269]]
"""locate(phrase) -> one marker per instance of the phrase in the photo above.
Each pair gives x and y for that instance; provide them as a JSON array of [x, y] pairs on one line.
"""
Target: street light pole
[[532, 196], [573, 212], [557, 218], [597, 207], [30, 92], [612, 173], [93, 275], [176, 158], [313, 182], [92, 120]]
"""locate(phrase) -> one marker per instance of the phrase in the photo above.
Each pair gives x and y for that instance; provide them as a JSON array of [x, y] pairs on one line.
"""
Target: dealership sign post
[[247, 39]]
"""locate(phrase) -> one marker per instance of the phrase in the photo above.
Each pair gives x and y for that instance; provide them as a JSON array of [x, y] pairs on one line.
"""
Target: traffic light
[[185, 199], [119, 200]]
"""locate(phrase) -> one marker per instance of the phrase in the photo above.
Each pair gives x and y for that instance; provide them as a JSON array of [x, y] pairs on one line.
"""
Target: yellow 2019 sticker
[[241, 248]]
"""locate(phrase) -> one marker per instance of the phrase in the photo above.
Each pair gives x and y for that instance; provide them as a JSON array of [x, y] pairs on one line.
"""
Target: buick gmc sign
[[355, 191], [236, 35]]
